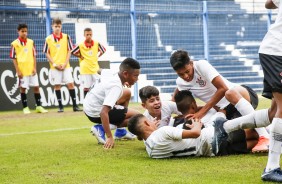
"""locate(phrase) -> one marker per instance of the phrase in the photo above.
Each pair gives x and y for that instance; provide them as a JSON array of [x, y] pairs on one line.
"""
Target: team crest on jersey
[[201, 82], [25, 50], [58, 46], [90, 53]]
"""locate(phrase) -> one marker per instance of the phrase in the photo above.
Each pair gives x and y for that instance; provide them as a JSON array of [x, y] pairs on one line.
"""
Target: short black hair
[[184, 100], [134, 124], [129, 64], [21, 26], [179, 59], [56, 21], [147, 92], [87, 29]]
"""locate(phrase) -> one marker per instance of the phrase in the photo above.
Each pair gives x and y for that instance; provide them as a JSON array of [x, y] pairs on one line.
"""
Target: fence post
[[48, 18], [134, 42], [205, 30]]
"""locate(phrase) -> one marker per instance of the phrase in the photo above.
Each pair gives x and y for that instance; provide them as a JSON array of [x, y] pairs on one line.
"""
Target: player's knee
[[229, 94]]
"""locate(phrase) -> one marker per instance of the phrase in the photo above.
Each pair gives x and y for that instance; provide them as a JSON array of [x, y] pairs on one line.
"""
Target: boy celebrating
[[106, 103], [87, 52], [155, 108], [205, 83], [58, 48], [23, 54]]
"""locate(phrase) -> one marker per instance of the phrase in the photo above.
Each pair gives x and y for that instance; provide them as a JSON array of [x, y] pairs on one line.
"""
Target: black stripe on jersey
[[75, 50], [191, 149], [101, 48], [70, 45], [45, 49]]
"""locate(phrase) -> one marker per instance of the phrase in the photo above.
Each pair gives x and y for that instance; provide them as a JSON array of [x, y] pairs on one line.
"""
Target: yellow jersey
[[58, 48], [24, 52], [89, 65]]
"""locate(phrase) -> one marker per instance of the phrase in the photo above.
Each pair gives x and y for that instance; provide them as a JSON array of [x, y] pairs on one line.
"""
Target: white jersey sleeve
[[112, 96], [206, 70]]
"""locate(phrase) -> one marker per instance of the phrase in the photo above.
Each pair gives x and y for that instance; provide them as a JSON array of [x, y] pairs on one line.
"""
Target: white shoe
[[126, 136]]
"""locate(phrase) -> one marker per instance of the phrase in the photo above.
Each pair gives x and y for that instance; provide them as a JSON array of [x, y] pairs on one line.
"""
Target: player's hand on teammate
[[197, 115], [156, 121], [196, 124], [109, 143]]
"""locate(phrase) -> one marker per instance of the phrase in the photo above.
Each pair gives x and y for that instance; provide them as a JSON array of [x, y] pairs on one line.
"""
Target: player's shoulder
[[201, 62], [30, 40], [50, 37], [15, 42], [64, 34]]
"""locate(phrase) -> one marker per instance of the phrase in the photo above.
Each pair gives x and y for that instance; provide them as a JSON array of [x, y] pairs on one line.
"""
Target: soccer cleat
[[26, 110], [274, 175], [99, 133], [122, 133], [76, 109], [220, 135], [40, 109], [261, 146], [60, 109]]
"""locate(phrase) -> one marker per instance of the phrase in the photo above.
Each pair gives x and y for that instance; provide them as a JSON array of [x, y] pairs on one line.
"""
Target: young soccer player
[[270, 54], [88, 59], [205, 83], [107, 101], [155, 108], [23, 54], [58, 48], [167, 141], [240, 141]]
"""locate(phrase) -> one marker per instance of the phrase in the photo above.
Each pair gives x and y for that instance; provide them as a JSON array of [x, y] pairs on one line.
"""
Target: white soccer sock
[[255, 119], [245, 107], [275, 144], [113, 127]]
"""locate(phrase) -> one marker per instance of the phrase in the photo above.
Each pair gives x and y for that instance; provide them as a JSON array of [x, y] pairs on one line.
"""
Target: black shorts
[[272, 70], [116, 116], [235, 144], [232, 112]]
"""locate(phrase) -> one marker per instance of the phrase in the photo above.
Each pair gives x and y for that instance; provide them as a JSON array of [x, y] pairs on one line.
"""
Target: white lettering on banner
[[48, 95], [76, 75], [9, 94], [44, 80], [52, 99]]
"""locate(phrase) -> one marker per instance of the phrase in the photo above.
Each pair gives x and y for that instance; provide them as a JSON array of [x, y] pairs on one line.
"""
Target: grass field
[[58, 148]]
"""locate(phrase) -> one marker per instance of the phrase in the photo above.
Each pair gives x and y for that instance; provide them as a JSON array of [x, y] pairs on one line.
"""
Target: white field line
[[44, 131]]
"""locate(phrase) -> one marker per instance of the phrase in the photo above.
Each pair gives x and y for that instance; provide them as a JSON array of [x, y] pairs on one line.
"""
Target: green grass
[[30, 155]]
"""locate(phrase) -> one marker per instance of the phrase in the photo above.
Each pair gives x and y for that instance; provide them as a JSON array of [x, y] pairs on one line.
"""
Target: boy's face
[[88, 36], [153, 105], [57, 28], [23, 33], [187, 72], [193, 108], [131, 76]]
